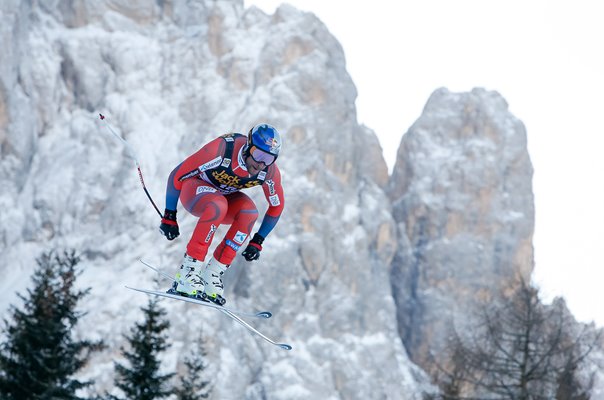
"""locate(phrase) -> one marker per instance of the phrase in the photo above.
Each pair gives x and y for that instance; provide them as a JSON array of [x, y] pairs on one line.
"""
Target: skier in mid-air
[[208, 184]]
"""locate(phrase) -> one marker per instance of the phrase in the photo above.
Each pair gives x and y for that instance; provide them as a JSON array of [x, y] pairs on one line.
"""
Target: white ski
[[260, 314], [250, 328], [227, 311], [196, 301]]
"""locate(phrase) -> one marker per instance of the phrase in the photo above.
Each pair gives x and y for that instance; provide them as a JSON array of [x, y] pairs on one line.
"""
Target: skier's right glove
[[169, 226]]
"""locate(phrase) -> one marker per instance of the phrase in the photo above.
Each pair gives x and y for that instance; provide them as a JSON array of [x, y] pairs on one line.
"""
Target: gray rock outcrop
[[462, 198], [169, 76]]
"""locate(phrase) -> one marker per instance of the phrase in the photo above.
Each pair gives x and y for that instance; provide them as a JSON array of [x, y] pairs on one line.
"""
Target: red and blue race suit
[[209, 185]]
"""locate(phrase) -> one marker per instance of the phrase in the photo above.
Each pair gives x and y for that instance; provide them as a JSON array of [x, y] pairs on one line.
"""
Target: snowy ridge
[[169, 78], [358, 262]]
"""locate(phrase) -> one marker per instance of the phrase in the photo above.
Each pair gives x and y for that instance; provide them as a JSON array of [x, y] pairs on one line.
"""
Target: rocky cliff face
[[462, 198], [359, 264], [170, 76]]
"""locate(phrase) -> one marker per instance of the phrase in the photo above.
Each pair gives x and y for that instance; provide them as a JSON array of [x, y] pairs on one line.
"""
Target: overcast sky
[[546, 58]]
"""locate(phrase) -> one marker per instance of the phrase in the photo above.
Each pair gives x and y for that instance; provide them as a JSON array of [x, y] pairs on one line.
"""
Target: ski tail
[[250, 328]]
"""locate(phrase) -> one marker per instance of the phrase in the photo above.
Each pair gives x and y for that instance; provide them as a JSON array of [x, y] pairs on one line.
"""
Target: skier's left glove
[[169, 226], [253, 249]]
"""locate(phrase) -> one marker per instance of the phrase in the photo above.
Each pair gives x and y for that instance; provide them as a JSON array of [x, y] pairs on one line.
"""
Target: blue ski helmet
[[266, 138]]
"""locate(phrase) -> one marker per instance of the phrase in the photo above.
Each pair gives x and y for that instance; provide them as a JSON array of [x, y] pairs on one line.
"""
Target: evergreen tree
[[193, 385], [142, 380], [39, 357]]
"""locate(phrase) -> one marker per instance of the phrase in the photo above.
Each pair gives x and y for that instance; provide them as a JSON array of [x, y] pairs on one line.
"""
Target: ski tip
[[264, 314], [285, 346]]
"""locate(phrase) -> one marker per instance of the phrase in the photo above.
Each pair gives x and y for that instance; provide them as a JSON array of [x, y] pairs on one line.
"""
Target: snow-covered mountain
[[359, 263], [169, 76]]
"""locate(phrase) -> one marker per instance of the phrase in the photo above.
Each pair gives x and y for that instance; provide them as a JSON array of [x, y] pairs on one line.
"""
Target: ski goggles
[[261, 156]]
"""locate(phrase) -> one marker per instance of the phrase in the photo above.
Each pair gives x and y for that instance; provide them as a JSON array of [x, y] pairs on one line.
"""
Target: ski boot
[[211, 278], [188, 281]]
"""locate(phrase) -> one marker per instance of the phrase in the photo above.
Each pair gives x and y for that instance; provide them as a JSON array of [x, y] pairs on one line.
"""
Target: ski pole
[[131, 152]]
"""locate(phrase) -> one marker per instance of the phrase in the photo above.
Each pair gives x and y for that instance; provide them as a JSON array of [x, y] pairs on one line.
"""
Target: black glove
[[253, 249], [169, 226]]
